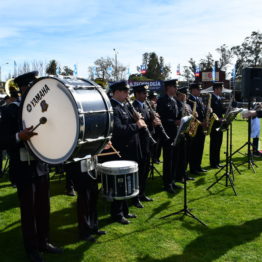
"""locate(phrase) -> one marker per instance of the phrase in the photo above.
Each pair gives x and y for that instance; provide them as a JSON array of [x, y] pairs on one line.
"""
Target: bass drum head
[[57, 138]]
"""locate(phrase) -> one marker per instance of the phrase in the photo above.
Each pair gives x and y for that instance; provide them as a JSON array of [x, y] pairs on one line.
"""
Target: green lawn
[[233, 233]]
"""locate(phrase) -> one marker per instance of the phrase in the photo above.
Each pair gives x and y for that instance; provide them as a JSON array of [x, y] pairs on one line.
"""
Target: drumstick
[[107, 154], [42, 121], [115, 151]]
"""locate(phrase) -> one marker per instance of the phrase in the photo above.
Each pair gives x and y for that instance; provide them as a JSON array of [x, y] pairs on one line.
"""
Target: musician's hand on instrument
[[141, 124], [108, 145], [156, 122], [26, 134], [195, 115]]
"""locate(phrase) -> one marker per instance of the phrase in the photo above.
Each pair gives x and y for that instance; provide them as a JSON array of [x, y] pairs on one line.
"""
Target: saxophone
[[192, 130], [210, 117]]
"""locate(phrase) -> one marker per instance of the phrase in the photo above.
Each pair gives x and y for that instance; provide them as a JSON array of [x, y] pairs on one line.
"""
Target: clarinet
[[137, 116], [153, 116]]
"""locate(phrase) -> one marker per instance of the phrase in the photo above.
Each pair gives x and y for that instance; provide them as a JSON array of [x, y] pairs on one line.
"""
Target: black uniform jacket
[[125, 136], [169, 113], [200, 107], [144, 139], [22, 171], [217, 106]]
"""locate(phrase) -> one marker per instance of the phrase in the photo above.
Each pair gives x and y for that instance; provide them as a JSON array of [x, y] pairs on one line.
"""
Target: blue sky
[[80, 31]]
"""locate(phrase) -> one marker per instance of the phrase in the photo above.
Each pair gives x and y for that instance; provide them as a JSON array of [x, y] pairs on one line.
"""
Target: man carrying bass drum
[[31, 177]]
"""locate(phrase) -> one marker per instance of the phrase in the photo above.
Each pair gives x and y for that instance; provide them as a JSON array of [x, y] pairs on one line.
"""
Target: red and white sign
[[207, 76]]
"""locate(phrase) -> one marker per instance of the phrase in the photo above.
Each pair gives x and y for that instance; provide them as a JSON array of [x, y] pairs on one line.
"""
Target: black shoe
[[202, 170], [100, 232], [71, 192], [123, 221], [88, 238], [214, 166], [190, 178], [35, 256], [177, 186], [49, 248], [131, 216], [170, 189], [145, 199], [138, 204]]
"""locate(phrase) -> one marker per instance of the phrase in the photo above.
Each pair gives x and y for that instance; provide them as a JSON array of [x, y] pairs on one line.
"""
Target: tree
[[225, 58], [188, 74], [207, 63], [51, 67], [155, 67], [249, 53], [67, 71], [107, 69]]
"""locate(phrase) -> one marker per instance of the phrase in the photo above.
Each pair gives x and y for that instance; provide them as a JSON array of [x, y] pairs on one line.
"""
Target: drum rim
[[29, 145], [115, 170]]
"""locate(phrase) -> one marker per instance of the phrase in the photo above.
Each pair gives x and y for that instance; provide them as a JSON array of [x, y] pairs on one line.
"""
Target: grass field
[[233, 232]]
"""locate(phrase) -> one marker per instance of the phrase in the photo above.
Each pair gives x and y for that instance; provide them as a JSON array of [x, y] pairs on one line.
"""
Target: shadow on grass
[[8, 202], [214, 243]]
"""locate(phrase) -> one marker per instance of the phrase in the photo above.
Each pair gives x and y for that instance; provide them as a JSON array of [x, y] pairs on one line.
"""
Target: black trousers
[[216, 138], [143, 171], [196, 149], [35, 211], [180, 156], [119, 209], [168, 163], [87, 195]]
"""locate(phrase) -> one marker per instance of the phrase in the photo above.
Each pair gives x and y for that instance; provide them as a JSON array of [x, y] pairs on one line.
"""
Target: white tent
[[210, 90]]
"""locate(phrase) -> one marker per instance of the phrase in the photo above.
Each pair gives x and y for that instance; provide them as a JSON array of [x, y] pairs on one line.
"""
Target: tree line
[[153, 67]]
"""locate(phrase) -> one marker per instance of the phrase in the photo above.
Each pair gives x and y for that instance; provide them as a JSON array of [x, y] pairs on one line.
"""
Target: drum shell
[[119, 183], [92, 113]]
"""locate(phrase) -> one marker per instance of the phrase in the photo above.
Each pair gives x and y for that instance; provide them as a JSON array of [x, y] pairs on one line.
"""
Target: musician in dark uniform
[[216, 137], [156, 149], [140, 105], [197, 143], [31, 178], [168, 110], [85, 182], [125, 138]]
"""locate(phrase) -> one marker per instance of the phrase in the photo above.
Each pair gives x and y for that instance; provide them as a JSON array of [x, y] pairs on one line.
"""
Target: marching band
[[139, 129]]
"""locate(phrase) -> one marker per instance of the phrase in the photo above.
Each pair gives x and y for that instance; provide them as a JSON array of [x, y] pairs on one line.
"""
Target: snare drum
[[119, 179], [79, 118]]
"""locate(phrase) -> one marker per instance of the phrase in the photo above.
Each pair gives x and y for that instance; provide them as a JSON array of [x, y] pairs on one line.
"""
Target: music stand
[[250, 159], [185, 121], [227, 126]]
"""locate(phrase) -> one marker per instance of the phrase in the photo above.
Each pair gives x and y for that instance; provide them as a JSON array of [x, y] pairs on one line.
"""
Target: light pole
[[116, 71], [1, 70]]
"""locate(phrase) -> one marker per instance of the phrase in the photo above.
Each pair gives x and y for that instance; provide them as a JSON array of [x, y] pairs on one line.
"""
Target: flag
[[178, 69], [75, 70], [143, 69], [234, 73], [197, 72], [214, 73], [58, 70]]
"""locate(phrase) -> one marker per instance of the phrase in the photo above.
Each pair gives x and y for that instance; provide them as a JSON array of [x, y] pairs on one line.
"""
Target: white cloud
[[80, 31]]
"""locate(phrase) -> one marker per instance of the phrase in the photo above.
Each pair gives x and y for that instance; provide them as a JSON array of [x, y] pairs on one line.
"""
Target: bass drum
[[78, 118]]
